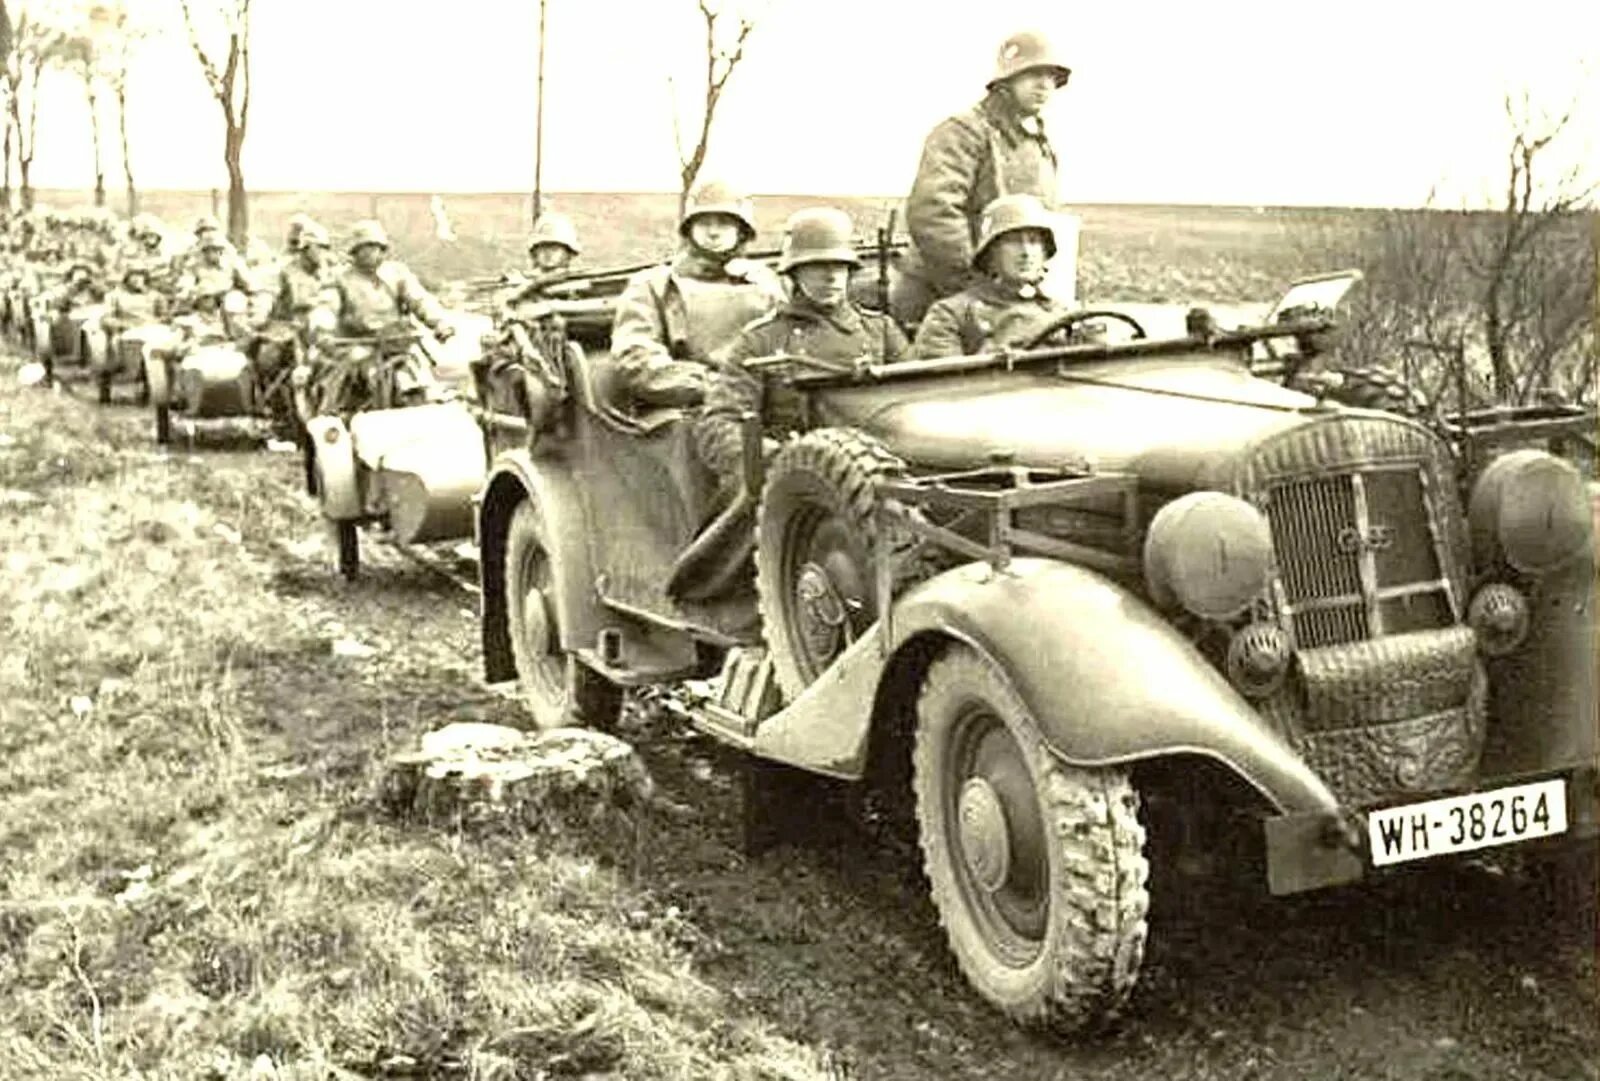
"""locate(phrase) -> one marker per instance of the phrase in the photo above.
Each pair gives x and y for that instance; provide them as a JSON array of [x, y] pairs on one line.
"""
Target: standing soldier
[[1004, 306], [997, 148], [671, 318], [818, 321]]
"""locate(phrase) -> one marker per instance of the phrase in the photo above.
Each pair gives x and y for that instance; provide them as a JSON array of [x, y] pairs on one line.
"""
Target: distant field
[[1128, 252]]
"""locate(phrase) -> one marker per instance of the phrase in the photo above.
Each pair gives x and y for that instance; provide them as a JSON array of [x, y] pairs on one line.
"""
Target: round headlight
[[1531, 510], [1498, 615], [1208, 552]]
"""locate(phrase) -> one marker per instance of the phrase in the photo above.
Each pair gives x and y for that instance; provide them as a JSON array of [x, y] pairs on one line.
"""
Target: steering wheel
[[1070, 319]]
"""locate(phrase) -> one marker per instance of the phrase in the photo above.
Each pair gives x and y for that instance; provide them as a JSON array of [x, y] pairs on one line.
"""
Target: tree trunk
[[5, 190], [25, 167], [127, 160], [99, 165], [238, 209]]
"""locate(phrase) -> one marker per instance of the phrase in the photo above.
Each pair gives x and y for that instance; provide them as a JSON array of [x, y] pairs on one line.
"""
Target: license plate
[[1503, 816]]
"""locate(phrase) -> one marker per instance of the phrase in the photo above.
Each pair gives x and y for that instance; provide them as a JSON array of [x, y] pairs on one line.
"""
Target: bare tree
[[1489, 306], [80, 52], [724, 51], [32, 47], [104, 40], [230, 85]]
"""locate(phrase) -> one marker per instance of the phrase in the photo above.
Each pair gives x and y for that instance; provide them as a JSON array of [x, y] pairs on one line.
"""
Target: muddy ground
[[1461, 972]]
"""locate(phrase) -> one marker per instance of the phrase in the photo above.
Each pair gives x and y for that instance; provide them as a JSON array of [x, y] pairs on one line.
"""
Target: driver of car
[[670, 319], [1004, 306]]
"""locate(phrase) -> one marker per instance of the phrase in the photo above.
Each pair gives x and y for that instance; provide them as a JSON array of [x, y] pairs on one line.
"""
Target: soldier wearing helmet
[[292, 234], [818, 320], [375, 292], [306, 277], [552, 246], [1005, 305], [214, 270], [133, 303], [997, 148], [670, 319]]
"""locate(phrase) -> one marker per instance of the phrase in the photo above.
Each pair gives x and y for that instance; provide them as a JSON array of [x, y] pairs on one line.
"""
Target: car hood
[[1171, 421]]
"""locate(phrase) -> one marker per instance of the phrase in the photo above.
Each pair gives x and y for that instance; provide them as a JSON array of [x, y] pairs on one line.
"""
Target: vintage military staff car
[[1029, 584]]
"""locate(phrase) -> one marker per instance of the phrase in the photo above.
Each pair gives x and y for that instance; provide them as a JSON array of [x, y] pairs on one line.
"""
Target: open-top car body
[[1021, 583]]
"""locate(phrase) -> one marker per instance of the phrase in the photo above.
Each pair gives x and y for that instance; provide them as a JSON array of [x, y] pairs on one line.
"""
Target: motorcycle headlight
[[1530, 510], [1209, 552]]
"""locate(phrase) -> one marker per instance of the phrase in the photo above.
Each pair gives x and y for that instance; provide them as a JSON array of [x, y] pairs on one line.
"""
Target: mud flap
[[338, 485]]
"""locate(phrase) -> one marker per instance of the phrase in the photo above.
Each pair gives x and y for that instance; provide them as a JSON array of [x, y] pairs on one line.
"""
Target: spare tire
[[816, 536]]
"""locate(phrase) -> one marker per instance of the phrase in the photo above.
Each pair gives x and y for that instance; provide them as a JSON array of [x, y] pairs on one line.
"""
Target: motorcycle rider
[[133, 303], [304, 282], [1004, 306], [818, 321], [671, 318], [214, 270], [997, 148], [370, 298]]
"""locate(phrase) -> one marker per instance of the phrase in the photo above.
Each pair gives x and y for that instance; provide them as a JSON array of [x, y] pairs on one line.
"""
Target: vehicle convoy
[[1041, 589], [379, 449]]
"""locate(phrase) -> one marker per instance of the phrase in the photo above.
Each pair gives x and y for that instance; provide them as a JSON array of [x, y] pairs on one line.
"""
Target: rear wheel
[[1037, 868], [556, 688]]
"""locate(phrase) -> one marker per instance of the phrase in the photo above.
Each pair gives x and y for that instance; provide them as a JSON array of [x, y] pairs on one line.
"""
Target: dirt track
[[1448, 973]]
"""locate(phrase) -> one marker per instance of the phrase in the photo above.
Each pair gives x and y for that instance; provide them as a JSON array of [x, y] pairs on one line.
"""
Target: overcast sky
[[1296, 102]]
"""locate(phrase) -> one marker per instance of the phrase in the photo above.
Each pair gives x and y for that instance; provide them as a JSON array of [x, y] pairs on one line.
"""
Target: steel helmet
[[716, 197], [817, 235], [555, 228], [1024, 51], [205, 223], [213, 242], [296, 229], [313, 233], [136, 267], [1010, 214], [367, 232]]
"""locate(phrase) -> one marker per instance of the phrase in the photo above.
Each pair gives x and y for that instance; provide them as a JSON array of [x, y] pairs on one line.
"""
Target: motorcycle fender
[[517, 476], [96, 349], [339, 486], [1108, 678], [158, 377]]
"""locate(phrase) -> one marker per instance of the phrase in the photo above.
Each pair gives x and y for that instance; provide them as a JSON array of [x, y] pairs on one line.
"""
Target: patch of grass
[[196, 873]]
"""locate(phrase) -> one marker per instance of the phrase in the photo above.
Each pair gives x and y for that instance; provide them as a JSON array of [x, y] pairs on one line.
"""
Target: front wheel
[[163, 423], [348, 542], [1037, 868], [556, 688]]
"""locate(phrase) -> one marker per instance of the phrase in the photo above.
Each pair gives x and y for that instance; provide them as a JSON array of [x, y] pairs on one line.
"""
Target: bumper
[[1312, 851]]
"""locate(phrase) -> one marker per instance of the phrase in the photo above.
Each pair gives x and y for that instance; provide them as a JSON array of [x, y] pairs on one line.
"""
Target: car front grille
[[1366, 532]]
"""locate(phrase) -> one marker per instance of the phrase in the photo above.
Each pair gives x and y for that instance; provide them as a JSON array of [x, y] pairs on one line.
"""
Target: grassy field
[[1145, 253]]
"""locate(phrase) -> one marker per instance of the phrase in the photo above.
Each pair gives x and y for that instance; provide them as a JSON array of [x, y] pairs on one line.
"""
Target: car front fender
[[514, 477], [1108, 678]]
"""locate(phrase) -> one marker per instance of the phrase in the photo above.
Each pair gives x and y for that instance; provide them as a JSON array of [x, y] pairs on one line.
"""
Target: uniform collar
[[992, 290], [1003, 114], [689, 263], [845, 318]]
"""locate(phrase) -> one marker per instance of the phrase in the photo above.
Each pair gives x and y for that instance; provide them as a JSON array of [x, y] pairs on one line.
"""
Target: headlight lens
[[1530, 510], [1208, 552]]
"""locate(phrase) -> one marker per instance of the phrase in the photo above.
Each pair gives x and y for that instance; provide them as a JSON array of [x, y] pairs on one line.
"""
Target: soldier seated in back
[[1004, 307], [552, 247], [670, 319], [818, 322]]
